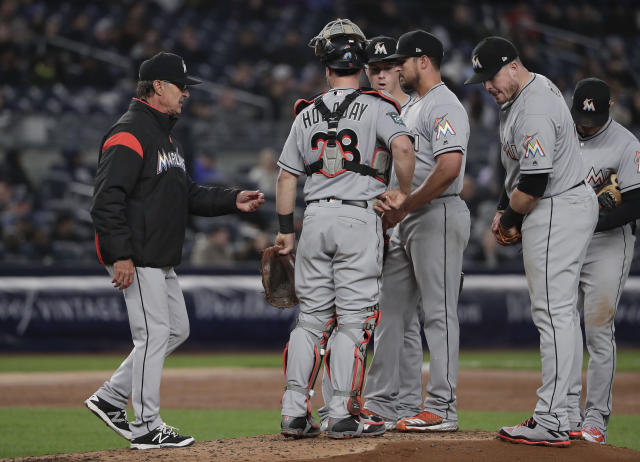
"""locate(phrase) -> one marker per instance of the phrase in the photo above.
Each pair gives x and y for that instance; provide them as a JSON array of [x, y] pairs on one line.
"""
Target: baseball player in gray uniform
[[383, 75], [608, 150], [546, 200], [424, 259], [339, 260]]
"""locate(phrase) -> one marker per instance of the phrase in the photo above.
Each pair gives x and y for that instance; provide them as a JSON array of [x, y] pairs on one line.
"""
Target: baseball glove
[[507, 239], [278, 278], [609, 196]]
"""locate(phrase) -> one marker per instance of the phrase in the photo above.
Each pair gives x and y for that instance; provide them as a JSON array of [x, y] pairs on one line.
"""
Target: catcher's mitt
[[609, 196], [278, 277], [507, 239]]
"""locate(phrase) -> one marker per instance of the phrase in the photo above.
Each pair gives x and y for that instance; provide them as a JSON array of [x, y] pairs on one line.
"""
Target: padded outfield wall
[[228, 312]]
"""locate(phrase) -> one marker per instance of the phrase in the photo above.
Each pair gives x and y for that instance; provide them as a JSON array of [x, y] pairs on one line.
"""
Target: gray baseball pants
[[555, 237], [602, 279], [424, 262], [159, 324], [338, 266]]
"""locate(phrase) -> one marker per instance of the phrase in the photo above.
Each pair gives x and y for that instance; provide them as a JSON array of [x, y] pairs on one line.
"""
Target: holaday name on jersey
[[355, 112]]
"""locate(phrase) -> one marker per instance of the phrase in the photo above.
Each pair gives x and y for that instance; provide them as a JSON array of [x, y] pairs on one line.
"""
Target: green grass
[[77, 430], [628, 361], [101, 362]]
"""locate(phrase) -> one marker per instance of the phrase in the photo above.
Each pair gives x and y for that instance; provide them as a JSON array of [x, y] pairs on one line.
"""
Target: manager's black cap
[[489, 56], [166, 66], [590, 107], [380, 48], [418, 43]]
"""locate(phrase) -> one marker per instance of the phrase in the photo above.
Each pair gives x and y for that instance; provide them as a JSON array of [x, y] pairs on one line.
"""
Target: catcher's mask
[[340, 45]]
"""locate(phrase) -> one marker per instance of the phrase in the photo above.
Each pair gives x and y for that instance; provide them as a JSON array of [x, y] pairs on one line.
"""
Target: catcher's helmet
[[340, 45]]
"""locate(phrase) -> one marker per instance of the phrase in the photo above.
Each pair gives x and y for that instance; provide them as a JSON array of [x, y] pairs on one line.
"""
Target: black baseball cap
[[380, 48], [590, 107], [489, 56], [166, 66], [418, 43]]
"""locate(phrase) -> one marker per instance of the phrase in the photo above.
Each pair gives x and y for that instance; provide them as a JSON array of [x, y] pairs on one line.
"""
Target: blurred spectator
[[189, 46], [5, 195], [205, 170], [265, 173], [9, 64], [135, 26], [281, 84], [65, 229], [73, 167], [212, 248], [13, 172], [288, 52], [79, 30], [41, 248], [249, 47], [255, 246]]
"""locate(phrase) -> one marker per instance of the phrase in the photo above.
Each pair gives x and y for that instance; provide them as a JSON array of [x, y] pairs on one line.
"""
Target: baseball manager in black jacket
[[141, 201]]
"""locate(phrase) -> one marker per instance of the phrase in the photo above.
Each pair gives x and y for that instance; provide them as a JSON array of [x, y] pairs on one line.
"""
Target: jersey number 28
[[346, 137]]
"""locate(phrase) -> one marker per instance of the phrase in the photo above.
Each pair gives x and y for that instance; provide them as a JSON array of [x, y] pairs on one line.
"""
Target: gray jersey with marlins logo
[[424, 262], [538, 136], [355, 135], [612, 149], [439, 124]]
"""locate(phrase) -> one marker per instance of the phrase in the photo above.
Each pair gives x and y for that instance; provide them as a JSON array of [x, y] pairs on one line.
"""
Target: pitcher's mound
[[391, 447]]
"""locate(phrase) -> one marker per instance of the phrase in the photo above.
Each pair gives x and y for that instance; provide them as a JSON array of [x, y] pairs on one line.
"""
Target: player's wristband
[[503, 203], [511, 218], [286, 223]]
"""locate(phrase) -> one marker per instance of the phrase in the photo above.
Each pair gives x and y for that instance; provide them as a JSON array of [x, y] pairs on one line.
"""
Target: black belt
[[361, 204], [572, 187]]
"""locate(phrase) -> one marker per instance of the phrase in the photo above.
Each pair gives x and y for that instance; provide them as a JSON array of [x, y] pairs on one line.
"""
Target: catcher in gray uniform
[[339, 260], [611, 154], [547, 203], [424, 259], [383, 76]]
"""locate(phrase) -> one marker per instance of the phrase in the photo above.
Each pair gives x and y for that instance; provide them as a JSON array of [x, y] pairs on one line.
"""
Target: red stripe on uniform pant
[[98, 249]]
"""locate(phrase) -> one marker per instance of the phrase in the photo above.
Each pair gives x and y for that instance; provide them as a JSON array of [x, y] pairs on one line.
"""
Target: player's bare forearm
[[286, 192], [522, 202], [444, 173], [404, 161]]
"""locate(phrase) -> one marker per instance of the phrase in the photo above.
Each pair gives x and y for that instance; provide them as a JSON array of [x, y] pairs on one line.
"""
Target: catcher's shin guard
[[354, 404], [319, 351]]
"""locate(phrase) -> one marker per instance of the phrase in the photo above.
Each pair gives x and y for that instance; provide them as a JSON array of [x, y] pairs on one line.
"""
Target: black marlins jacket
[[143, 194]]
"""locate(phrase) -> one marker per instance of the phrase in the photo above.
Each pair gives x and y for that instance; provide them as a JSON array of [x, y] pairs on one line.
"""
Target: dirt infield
[[261, 388], [391, 447], [237, 388]]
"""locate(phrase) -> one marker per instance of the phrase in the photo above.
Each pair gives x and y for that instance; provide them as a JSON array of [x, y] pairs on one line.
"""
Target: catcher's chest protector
[[333, 160]]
